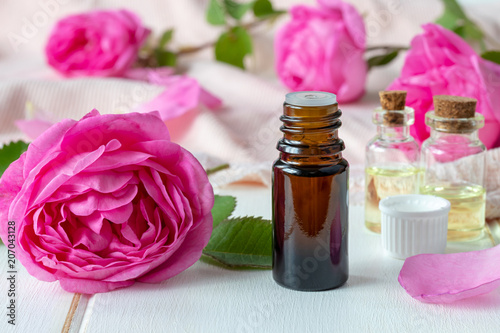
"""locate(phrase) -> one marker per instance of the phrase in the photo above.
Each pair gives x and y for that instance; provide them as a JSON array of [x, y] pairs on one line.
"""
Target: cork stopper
[[454, 106], [453, 114], [393, 100]]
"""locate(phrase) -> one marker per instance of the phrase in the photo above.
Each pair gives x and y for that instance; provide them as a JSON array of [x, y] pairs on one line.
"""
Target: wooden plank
[[211, 299], [40, 306]]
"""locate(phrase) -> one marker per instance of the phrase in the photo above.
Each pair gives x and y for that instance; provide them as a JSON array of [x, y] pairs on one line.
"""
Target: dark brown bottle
[[310, 196]]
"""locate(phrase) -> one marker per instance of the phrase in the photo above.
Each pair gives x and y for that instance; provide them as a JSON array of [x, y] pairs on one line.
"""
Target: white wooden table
[[212, 299]]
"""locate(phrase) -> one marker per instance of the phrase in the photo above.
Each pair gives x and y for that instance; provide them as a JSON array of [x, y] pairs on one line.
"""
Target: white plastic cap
[[310, 98], [414, 224]]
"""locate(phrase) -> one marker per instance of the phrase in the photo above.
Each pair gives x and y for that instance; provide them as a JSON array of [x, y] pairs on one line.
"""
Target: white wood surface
[[211, 299], [40, 306]]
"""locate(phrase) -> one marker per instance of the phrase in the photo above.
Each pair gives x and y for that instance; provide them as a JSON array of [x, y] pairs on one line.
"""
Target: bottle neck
[[307, 160], [437, 135], [310, 135], [396, 133]]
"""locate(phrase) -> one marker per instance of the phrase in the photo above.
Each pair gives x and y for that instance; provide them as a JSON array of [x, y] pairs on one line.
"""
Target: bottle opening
[[310, 98]]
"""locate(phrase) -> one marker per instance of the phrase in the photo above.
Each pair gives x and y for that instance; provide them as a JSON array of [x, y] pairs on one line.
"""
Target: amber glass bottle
[[310, 196]]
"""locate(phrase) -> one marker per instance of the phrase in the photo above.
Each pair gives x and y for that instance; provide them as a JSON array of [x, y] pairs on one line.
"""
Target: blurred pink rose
[[442, 63], [106, 201], [99, 43], [322, 49]]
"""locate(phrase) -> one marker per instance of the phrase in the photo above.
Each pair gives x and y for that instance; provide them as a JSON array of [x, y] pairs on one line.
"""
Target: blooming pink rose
[[322, 49], [442, 63], [106, 201], [99, 43]]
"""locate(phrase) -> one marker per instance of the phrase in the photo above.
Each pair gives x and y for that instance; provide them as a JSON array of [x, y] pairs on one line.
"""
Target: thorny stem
[[147, 59], [388, 48], [194, 49], [218, 168]]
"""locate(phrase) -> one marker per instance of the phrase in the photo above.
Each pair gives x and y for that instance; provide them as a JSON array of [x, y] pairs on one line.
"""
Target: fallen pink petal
[[446, 278]]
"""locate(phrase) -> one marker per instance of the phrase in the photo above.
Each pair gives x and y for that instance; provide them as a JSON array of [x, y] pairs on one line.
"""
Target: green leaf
[[469, 31], [215, 13], [223, 208], [11, 152], [165, 38], [472, 31], [233, 45], [452, 15], [382, 59], [165, 58], [242, 242], [493, 56], [448, 20], [454, 19], [237, 10], [263, 8]]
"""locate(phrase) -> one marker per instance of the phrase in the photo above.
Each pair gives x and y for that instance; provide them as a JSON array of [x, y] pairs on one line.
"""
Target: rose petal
[[33, 128], [117, 159], [445, 278], [86, 286], [103, 182], [119, 215], [192, 247], [88, 203], [56, 174]]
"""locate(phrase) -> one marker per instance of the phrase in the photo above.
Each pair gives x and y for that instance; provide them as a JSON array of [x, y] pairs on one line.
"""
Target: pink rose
[[322, 49], [106, 201], [442, 63], [99, 43]]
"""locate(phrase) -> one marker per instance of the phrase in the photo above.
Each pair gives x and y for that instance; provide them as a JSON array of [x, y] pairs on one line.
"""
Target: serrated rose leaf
[[242, 242], [223, 208]]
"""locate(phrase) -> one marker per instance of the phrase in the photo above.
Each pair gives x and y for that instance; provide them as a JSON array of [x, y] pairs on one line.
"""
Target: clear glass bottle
[[453, 163], [391, 157], [310, 196]]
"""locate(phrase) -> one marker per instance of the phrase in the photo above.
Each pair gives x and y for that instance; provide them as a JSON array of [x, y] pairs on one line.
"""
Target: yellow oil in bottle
[[467, 214], [384, 182]]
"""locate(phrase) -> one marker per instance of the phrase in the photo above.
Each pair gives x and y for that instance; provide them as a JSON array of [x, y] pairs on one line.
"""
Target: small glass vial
[[310, 196], [392, 156], [453, 163]]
